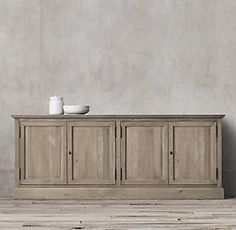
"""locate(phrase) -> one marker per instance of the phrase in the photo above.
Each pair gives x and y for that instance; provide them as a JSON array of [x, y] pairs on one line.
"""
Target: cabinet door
[[42, 153], [192, 153], [144, 153], [91, 153]]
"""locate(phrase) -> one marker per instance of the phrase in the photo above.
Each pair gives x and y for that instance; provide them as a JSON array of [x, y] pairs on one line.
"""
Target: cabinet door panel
[[193, 145], [144, 153], [42, 153], [92, 146]]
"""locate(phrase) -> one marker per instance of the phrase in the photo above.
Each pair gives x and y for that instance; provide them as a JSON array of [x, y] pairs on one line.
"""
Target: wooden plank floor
[[145, 214]]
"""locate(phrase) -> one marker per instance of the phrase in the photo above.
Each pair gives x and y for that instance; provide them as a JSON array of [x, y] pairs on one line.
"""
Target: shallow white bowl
[[75, 109]]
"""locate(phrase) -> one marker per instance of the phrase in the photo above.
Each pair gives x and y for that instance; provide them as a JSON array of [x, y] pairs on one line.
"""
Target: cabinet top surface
[[130, 116]]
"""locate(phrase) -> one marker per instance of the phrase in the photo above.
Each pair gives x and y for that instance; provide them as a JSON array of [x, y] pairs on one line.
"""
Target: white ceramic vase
[[56, 105]]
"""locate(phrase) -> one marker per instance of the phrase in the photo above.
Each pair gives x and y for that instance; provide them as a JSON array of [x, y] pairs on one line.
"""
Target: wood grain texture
[[43, 155], [119, 193], [117, 214], [144, 153], [136, 116], [193, 148], [118, 157], [219, 152], [17, 152], [92, 149]]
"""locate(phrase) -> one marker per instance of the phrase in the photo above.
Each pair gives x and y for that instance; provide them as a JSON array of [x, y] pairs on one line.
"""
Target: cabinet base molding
[[118, 193]]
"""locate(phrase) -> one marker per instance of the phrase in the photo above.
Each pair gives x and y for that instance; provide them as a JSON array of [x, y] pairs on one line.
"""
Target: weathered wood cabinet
[[118, 156]]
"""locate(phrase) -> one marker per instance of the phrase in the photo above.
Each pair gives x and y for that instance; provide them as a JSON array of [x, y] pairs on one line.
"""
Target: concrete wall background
[[120, 57]]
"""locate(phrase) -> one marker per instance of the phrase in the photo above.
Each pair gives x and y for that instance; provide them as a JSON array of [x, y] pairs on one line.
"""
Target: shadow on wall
[[229, 158]]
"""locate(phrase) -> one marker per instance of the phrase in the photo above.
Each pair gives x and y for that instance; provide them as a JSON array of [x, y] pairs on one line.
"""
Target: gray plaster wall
[[120, 57]]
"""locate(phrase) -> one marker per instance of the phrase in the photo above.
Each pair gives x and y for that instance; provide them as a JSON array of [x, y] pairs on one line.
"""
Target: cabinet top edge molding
[[130, 116]]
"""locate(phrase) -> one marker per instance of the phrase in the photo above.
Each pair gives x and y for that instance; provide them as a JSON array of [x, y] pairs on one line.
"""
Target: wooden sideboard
[[118, 157]]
